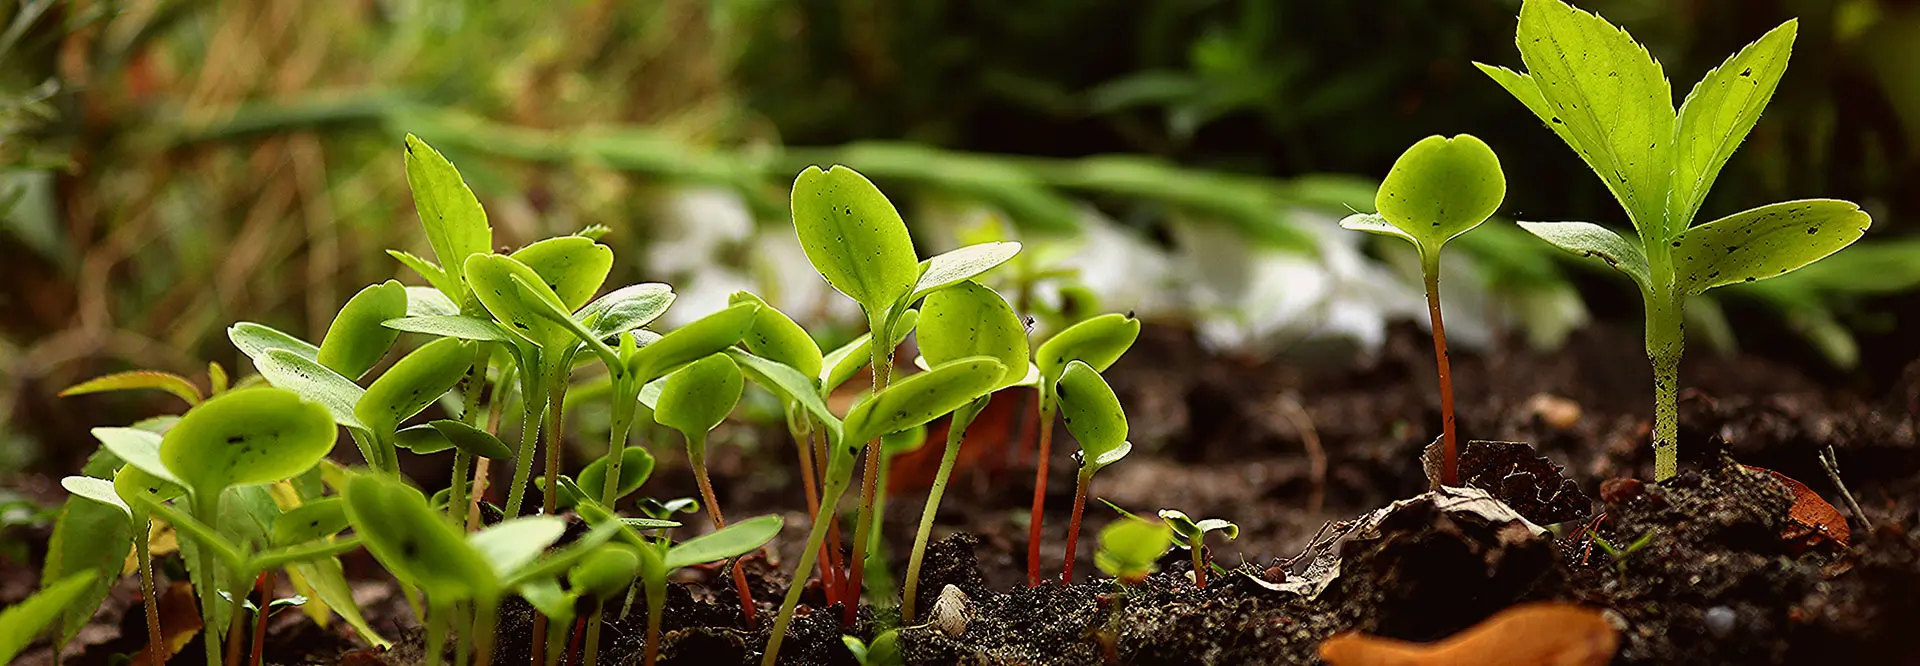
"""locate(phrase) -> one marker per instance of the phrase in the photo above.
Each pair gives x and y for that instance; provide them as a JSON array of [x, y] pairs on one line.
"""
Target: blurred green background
[[171, 167]]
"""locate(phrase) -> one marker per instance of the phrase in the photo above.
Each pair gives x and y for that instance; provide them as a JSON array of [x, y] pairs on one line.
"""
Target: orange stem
[[1039, 491], [1450, 465]]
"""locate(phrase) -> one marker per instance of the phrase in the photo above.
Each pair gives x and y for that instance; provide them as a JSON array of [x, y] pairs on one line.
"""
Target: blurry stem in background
[[1045, 408], [830, 569], [470, 414], [869, 486], [265, 585], [1450, 466], [550, 497], [156, 642], [697, 458], [956, 436], [482, 477], [803, 438], [237, 592]]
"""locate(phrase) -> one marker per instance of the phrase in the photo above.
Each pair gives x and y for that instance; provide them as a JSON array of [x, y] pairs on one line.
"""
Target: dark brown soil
[[1715, 583]]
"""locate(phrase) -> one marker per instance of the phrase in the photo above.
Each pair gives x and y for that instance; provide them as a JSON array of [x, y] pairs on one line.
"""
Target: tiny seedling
[[1130, 548], [1098, 342], [966, 319], [883, 651], [1440, 188], [1093, 415], [696, 399], [1602, 94], [1194, 536], [659, 559], [1620, 555]]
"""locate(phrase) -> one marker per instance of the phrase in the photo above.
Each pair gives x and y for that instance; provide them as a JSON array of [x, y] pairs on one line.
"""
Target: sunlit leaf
[[1592, 240], [844, 362], [627, 308], [1440, 188], [854, 237], [921, 398], [1760, 243], [139, 379], [255, 339], [1098, 341], [290, 371], [775, 337], [1091, 412], [355, 341], [699, 396], [465, 327], [790, 384], [1130, 548], [256, 435], [968, 319], [415, 381], [731, 541], [1720, 111], [700, 339], [413, 541], [456, 224], [966, 263], [509, 546]]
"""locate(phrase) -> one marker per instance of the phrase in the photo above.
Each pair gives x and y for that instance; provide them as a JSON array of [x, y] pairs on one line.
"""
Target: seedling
[[1093, 415], [1620, 555], [966, 319], [1097, 342], [1130, 548], [883, 651], [1602, 94], [1194, 534], [857, 241], [659, 560], [1440, 188], [696, 399]]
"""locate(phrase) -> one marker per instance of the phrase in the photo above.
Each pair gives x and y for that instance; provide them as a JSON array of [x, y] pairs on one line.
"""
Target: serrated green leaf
[[456, 224], [700, 396], [249, 436], [435, 275], [355, 341], [1762, 242], [21, 623], [417, 380], [291, 371], [1614, 100], [139, 379], [1592, 240], [1440, 188], [921, 398], [255, 339], [968, 319], [1525, 89], [464, 327], [731, 541], [966, 263], [1719, 113], [854, 237], [775, 337], [90, 538], [1091, 412], [1099, 342]]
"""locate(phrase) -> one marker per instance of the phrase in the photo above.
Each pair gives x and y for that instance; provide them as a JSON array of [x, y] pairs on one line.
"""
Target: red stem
[[1450, 465], [1073, 528], [265, 585], [869, 485], [720, 522], [1039, 492], [579, 629]]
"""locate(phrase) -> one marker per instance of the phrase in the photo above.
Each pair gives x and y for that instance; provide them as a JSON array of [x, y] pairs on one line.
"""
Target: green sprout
[[1130, 548], [1194, 534], [1440, 188], [1602, 94], [1098, 342], [658, 560], [695, 400], [966, 319], [1093, 416], [1621, 555], [883, 651], [855, 239]]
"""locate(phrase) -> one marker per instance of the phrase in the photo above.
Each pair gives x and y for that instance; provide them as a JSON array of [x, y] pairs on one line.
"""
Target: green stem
[[1665, 335], [207, 510], [237, 616], [869, 487], [1450, 466], [463, 642], [523, 460], [956, 435], [156, 643], [592, 656], [438, 616], [830, 497], [487, 616], [463, 461], [657, 607]]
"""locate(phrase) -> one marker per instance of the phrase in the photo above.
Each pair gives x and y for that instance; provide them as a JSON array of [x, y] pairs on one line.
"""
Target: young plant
[[1098, 342], [856, 240], [1440, 188], [966, 319], [1194, 536], [1602, 94], [1130, 548], [696, 399], [1093, 415], [659, 559]]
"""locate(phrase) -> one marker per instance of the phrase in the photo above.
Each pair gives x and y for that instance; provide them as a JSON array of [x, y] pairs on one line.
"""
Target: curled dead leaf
[[1533, 634], [1812, 521]]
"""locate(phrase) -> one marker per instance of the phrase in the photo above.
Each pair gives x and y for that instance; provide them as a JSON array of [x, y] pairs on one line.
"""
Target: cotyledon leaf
[[968, 319], [699, 396], [1099, 341], [1442, 187], [775, 336], [511, 545], [854, 237], [139, 448], [302, 375], [414, 382], [844, 362], [1592, 240], [1091, 411], [574, 267], [961, 264], [1762, 242], [732, 541], [627, 308], [790, 384], [699, 339], [415, 542], [249, 436], [465, 327], [429, 302], [920, 398], [255, 339], [356, 340]]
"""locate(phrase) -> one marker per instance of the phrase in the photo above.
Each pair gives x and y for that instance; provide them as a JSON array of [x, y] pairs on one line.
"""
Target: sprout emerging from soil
[[1440, 188], [695, 400], [1130, 548], [1093, 415], [1660, 163], [1194, 535], [1097, 342]]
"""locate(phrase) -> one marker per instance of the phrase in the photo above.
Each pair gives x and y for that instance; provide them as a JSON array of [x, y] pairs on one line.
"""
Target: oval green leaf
[[256, 435], [966, 263], [1592, 240], [731, 541], [968, 319], [700, 396], [472, 440], [1440, 188], [1763, 242], [1091, 411], [137, 447], [413, 541], [316, 519], [1098, 342], [414, 382], [700, 339], [627, 308], [854, 237], [636, 465], [356, 339], [606, 571], [510, 546], [291, 371], [465, 327], [846, 361], [1131, 547], [255, 339], [775, 337], [920, 398]]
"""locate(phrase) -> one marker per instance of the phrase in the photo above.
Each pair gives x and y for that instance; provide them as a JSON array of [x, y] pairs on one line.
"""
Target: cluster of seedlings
[[245, 479]]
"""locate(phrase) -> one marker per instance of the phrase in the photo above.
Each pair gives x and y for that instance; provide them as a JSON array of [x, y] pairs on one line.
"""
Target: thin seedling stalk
[[869, 486], [438, 616], [207, 509], [830, 569], [830, 497], [237, 619], [804, 442], [463, 643], [486, 618], [265, 585], [579, 629], [592, 631], [482, 477], [523, 460], [156, 643], [556, 402], [956, 436], [1039, 488], [697, 456], [1450, 465], [1073, 527], [462, 461], [1199, 548], [624, 394]]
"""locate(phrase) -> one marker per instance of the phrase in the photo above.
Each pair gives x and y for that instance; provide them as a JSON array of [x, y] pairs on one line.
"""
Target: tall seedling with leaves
[[1097, 342], [1603, 95], [1093, 415], [857, 241], [1440, 188]]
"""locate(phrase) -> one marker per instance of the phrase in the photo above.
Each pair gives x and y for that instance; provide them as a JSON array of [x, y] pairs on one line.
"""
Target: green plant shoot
[[1438, 189], [695, 400], [1193, 535], [1130, 548], [1602, 94], [1098, 342], [1093, 416]]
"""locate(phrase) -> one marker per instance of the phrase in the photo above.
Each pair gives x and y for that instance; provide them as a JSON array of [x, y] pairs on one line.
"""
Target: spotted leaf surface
[[1098, 341], [854, 237], [1441, 187], [1719, 113], [1763, 242], [968, 319], [413, 541], [1592, 240]]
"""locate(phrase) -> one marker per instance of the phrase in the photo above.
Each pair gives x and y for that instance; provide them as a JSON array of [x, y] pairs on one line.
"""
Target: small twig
[[1831, 463], [1316, 454]]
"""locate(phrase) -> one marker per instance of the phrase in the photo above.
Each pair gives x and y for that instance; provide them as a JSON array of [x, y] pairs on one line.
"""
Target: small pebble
[[1720, 621], [951, 612], [1554, 411]]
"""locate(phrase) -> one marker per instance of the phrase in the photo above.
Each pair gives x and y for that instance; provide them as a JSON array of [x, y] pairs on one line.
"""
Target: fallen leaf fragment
[[1814, 520], [179, 622], [1533, 634]]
